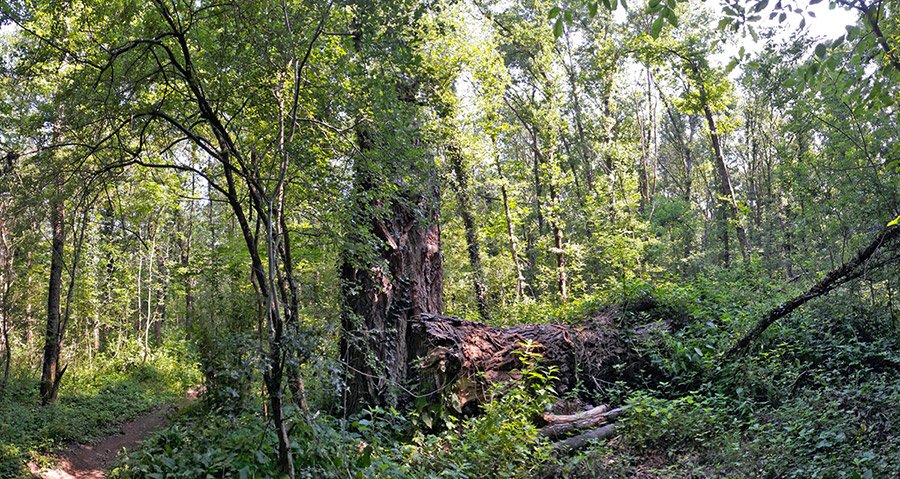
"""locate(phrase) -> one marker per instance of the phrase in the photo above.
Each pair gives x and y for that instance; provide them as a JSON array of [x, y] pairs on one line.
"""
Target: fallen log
[[586, 420], [852, 269], [464, 358], [552, 419], [581, 440]]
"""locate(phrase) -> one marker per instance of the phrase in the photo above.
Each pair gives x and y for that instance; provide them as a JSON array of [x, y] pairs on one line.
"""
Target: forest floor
[[92, 461]]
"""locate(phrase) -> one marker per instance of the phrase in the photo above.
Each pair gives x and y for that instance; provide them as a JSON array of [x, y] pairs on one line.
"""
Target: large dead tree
[[462, 359]]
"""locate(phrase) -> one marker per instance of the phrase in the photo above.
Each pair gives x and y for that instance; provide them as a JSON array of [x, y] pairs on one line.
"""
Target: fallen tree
[[885, 240], [561, 426], [459, 361], [462, 359]]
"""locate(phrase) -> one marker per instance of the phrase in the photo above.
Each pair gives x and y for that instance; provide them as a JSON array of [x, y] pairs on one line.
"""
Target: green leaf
[[895, 222], [592, 9], [671, 17], [821, 50], [554, 12], [731, 65], [558, 27], [656, 27], [761, 5]]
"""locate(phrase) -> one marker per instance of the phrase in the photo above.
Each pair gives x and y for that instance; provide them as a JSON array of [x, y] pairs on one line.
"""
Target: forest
[[449, 239]]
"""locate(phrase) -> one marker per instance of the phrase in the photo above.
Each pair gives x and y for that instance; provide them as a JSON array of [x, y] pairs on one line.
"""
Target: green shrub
[[92, 402]]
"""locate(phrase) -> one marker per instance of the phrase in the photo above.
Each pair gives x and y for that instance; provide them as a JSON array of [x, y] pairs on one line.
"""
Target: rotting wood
[[461, 359], [587, 420], [552, 419], [581, 440]]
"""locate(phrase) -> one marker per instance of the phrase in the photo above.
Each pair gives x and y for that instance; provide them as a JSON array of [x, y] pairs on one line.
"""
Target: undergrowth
[[818, 396], [92, 402]]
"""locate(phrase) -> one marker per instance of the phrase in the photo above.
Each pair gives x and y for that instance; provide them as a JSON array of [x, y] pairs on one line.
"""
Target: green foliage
[[214, 445], [230, 363], [655, 422], [91, 403], [502, 442]]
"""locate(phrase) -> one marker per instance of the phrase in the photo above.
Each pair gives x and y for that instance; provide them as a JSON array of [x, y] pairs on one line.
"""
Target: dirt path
[[92, 461]]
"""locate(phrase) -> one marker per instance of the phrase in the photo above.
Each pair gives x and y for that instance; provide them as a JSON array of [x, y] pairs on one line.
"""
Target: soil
[[92, 461]]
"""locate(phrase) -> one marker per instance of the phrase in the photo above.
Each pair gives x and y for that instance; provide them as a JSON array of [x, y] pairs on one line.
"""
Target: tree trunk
[[29, 314], [559, 251], [725, 188], [886, 239], [562, 281], [513, 250], [7, 275], [50, 369], [380, 296], [184, 255], [473, 246], [465, 358]]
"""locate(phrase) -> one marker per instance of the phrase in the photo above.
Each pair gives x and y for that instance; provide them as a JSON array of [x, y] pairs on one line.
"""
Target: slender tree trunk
[[725, 188], [184, 246], [585, 148], [646, 140], [473, 246], [559, 251], [7, 350], [513, 250], [149, 319], [29, 314], [538, 184], [50, 369], [885, 239], [7, 273]]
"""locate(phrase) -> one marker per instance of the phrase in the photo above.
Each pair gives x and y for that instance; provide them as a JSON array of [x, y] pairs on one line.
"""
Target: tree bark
[[725, 188], [381, 294], [581, 440], [29, 316], [50, 369], [589, 419], [465, 358], [7, 276], [513, 249], [562, 281], [185, 241]]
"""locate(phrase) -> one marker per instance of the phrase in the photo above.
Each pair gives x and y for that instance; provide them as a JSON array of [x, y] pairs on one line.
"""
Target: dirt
[[92, 461]]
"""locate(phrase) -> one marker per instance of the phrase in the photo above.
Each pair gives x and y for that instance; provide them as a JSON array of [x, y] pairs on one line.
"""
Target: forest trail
[[83, 461]]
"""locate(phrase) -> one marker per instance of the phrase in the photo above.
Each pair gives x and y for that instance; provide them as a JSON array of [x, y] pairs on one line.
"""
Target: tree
[[391, 266]]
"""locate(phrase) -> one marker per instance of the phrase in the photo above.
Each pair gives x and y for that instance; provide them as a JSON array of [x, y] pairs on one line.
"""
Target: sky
[[827, 24]]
